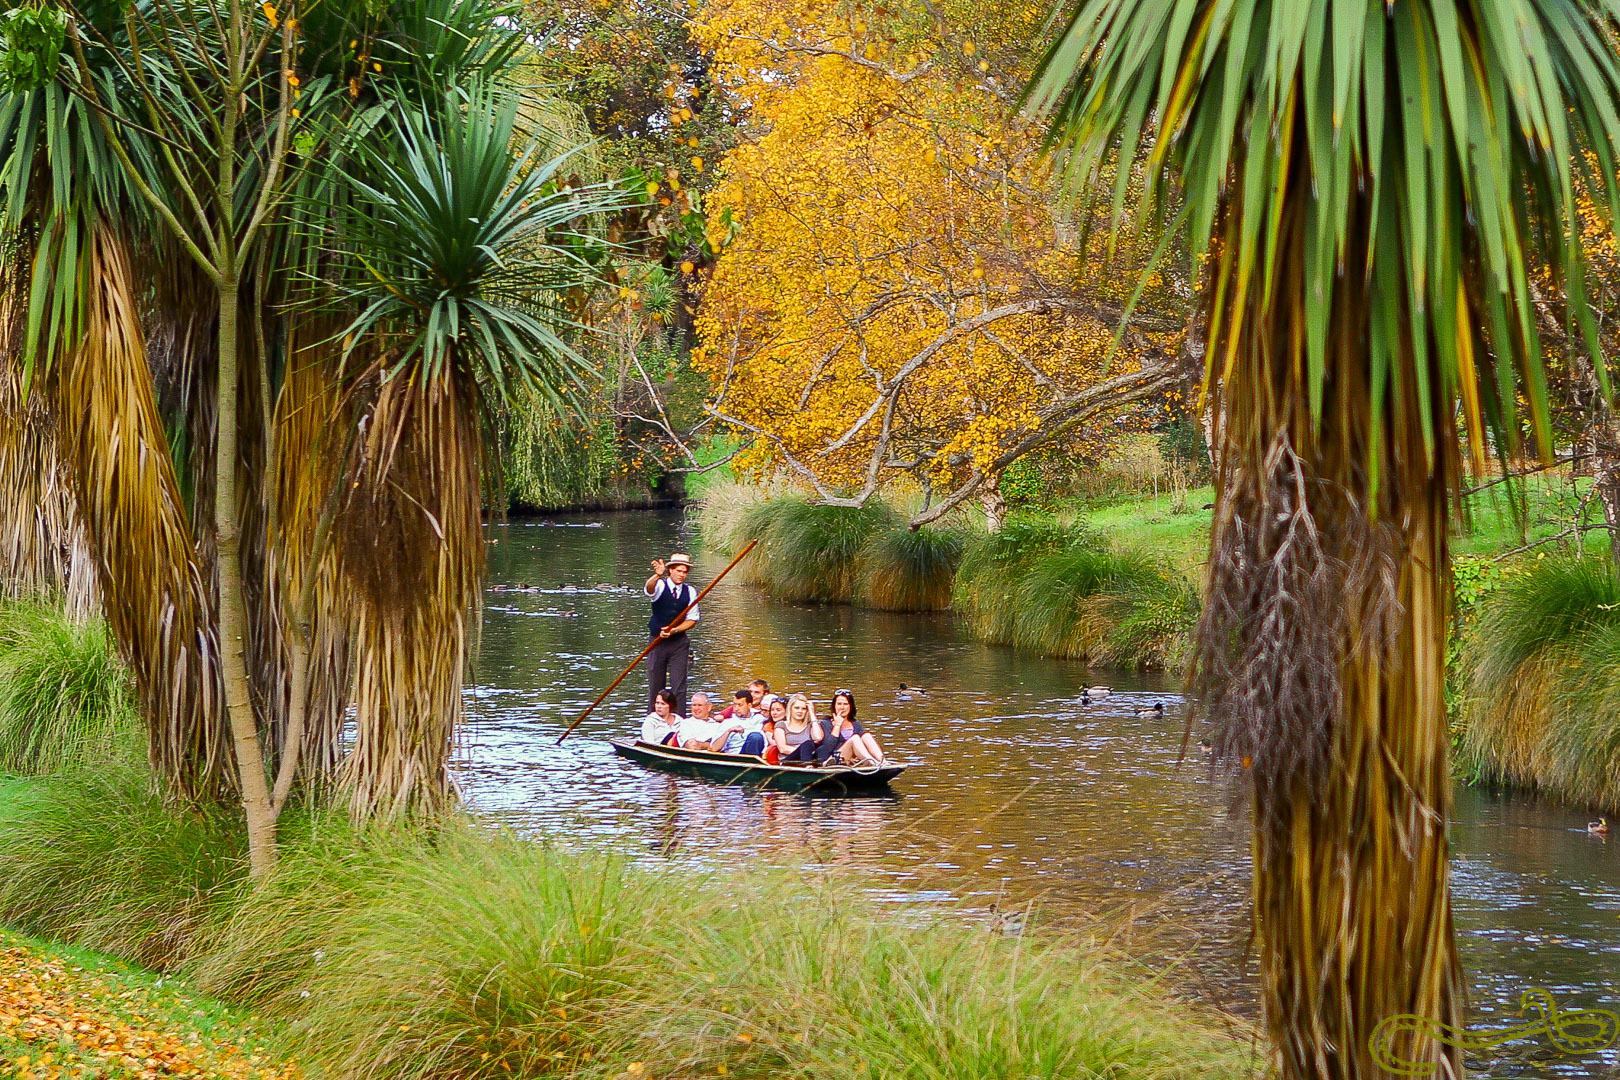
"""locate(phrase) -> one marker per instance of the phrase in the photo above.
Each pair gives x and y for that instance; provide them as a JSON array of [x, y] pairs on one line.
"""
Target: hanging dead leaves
[[59, 1021]]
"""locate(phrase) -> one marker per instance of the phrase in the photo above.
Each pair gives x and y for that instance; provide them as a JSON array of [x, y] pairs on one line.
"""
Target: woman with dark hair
[[663, 724], [854, 744]]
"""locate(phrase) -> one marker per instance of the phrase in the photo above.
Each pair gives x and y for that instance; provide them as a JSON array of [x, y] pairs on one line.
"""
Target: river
[[1019, 795]]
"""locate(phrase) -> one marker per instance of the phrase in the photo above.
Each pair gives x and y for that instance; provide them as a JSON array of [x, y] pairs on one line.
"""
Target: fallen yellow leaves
[[61, 1021]]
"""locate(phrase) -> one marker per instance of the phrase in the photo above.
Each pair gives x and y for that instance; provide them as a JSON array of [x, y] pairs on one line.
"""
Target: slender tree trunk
[[1600, 443], [994, 503], [256, 807]]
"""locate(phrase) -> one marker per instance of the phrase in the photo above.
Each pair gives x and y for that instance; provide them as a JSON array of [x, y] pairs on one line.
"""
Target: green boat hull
[[755, 772]]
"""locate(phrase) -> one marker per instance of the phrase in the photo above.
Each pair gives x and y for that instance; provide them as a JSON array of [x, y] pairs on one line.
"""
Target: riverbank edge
[[368, 954]]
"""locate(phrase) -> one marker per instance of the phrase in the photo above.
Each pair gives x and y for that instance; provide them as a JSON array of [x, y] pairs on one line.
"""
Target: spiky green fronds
[[1433, 147]]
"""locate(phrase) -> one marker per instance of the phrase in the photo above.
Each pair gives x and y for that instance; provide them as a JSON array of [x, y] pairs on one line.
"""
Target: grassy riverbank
[[1048, 582], [471, 952], [468, 951]]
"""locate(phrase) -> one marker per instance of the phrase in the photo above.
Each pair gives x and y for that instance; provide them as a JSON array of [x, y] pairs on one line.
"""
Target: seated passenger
[[662, 726], [855, 746], [799, 734], [701, 731], [758, 691], [750, 737], [774, 711]]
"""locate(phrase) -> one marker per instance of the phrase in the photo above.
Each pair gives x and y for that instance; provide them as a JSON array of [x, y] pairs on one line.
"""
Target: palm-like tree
[[322, 375], [1375, 186], [467, 239]]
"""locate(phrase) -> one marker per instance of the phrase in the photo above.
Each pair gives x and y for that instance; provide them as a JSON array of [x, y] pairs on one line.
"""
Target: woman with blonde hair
[[799, 735]]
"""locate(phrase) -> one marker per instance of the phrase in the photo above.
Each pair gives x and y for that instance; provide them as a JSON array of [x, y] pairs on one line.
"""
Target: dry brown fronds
[[155, 598], [412, 546]]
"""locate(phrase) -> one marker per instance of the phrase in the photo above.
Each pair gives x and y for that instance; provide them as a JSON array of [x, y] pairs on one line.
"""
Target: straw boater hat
[[679, 560]]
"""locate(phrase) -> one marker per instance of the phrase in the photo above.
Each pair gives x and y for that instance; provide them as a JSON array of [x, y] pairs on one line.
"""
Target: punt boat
[[753, 771]]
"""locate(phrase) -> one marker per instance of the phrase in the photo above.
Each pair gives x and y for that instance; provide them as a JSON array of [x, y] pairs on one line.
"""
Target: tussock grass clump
[[1063, 590], [64, 694], [993, 567], [473, 953], [904, 569], [1543, 704], [99, 859]]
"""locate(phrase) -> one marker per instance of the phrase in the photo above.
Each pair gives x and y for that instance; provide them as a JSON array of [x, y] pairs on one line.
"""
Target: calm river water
[[1019, 794]]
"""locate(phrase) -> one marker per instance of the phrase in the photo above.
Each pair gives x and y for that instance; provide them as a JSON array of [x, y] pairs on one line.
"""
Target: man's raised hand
[[658, 567]]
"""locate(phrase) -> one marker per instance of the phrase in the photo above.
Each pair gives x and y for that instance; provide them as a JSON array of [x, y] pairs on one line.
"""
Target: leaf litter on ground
[[67, 1017]]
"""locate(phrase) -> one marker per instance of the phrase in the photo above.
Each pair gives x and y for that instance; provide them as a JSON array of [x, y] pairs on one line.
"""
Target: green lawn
[[1489, 526]]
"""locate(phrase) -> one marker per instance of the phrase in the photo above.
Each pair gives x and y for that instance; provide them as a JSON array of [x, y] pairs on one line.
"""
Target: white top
[[706, 730], [663, 585], [753, 722], [655, 727]]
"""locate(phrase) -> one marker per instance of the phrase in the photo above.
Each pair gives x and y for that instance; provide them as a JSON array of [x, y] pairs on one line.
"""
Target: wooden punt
[[753, 771]]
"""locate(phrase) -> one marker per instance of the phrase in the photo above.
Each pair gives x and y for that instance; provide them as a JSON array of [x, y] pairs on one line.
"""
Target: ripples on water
[[1019, 794]]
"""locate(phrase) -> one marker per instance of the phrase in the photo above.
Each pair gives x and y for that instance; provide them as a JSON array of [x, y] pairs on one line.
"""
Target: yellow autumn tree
[[896, 294]]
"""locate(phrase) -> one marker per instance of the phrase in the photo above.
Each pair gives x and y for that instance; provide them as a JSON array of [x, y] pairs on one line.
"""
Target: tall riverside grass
[[472, 953], [1064, 591], [99, 860], [903, 569], [1543, 706], [64, 694]]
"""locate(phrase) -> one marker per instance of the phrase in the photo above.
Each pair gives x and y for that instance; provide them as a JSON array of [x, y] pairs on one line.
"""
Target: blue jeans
[[753, 743]]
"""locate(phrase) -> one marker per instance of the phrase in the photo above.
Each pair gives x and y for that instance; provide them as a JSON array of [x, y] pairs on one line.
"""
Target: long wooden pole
[[642, 655]]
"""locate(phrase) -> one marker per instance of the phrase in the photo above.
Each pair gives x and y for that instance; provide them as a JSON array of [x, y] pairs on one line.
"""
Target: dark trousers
[[666, 666], [814, 752], [753, 743]]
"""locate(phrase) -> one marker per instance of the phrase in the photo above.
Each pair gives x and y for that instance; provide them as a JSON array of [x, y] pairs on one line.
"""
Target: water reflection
[[1018, 793]]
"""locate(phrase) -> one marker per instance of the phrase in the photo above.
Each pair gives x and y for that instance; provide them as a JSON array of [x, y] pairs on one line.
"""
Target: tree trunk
[[994, 503], [1321, 661], [256, 807], [1600, 445]]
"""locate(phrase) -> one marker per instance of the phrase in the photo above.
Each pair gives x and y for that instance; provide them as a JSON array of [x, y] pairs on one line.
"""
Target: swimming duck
[[1600, 827], [904, 689], [1156, 710], [1095, 691], [1006, 923], [1205, 747]]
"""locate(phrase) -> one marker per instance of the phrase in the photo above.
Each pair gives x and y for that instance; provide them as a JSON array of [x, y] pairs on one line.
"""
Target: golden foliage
[[889, 222]]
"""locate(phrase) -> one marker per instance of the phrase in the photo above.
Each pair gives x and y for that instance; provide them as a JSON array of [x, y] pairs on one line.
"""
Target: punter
[[672, 650]]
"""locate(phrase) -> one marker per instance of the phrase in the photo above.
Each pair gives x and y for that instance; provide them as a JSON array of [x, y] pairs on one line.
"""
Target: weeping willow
[[1374, 185]]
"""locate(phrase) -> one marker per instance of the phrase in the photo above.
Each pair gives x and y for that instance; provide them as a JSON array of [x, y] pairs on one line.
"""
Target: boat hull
[[754, 772]]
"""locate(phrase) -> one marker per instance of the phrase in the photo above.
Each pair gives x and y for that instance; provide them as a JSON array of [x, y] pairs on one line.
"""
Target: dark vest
[[667, 604]]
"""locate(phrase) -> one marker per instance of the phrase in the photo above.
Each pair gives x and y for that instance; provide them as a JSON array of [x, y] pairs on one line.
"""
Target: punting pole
[[642, 655]]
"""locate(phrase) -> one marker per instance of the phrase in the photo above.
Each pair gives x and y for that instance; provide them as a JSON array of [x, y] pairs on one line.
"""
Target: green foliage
[[473, 953], [64, 694], [905, 569], [1543, 701], [468, 238], [31, 41], [99, 859], [552, 458], [1456, 132], [1064, 591], [810, 552]]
